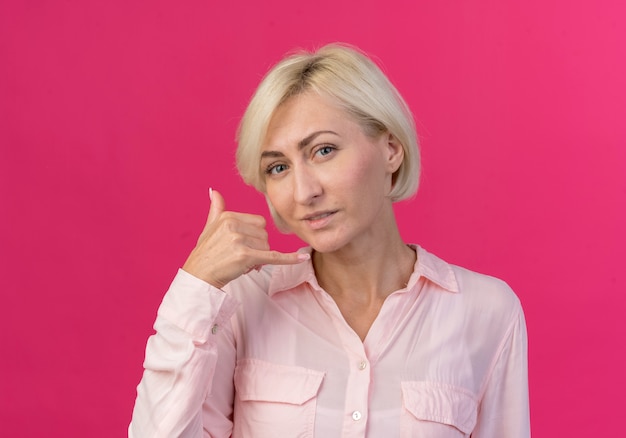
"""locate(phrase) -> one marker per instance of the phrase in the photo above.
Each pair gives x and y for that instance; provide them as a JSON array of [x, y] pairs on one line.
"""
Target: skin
[[329, 183], [232, 244]]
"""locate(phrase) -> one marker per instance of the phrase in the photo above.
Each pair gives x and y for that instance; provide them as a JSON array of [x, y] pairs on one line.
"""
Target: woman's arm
[[504, 408], [175, 396], [181, 360]]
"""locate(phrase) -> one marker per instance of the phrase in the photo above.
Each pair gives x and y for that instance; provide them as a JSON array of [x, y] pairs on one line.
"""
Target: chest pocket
[[437, 410], [275, 400]]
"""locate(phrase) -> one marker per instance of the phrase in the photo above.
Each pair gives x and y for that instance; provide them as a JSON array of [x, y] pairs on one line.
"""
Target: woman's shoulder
[[477, 290], [488, 296], [257, 281], [268, 280]]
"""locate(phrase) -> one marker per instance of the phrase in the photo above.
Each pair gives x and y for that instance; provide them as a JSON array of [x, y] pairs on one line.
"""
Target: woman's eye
[[275, 169], [325, 150]]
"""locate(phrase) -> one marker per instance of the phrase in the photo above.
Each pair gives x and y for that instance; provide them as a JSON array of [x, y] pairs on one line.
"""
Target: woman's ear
[[394, 152]]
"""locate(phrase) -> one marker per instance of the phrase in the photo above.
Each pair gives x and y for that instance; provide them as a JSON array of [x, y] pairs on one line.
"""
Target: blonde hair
[[351, 79]]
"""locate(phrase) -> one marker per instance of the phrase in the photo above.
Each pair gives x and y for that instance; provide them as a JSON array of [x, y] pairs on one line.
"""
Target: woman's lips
[[319, 219]]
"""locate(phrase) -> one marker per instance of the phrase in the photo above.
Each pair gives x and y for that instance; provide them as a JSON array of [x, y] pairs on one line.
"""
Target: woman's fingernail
[[211, 193]]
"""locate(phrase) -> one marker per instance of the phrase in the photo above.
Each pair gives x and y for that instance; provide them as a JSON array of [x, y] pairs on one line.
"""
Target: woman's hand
[[232, 244]]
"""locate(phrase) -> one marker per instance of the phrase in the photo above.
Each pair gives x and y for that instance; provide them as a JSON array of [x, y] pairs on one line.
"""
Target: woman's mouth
[[319, 220]]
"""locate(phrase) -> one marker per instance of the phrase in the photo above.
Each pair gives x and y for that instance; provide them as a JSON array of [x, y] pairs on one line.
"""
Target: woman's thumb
[[217, 205]]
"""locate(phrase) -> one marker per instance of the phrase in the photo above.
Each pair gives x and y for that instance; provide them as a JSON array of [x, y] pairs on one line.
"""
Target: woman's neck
[[366, 272], [359, 279]]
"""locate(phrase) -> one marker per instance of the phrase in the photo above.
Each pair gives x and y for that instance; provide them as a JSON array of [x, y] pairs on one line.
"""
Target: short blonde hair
[[351, 79]]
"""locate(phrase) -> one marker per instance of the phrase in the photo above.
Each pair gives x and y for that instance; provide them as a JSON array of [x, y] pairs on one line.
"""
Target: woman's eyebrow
[[309, 138], [301, 144], [271, 154]]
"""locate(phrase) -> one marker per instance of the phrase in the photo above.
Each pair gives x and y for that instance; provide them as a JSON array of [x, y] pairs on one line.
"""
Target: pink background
[[115, 118]]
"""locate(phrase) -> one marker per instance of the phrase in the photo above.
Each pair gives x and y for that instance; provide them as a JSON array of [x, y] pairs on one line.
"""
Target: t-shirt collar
[[286, 277]]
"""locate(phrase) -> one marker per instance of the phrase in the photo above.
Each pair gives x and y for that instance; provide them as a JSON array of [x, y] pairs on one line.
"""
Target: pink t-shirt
[[272, 356]]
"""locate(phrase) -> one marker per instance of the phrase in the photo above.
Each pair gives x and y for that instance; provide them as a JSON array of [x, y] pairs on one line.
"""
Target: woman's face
[[325, 178]]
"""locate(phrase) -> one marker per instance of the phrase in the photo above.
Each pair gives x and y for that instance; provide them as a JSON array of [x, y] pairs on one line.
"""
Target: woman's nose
[[307, 185]]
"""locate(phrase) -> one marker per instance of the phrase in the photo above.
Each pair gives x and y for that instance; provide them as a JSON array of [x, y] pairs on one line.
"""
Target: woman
[[359, 334]]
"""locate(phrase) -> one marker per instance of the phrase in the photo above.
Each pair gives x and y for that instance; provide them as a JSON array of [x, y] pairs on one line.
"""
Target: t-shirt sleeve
[[177, 395], [504, 406]]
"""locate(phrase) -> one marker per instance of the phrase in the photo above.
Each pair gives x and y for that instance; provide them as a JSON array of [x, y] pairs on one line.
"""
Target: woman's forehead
[[304, 115]]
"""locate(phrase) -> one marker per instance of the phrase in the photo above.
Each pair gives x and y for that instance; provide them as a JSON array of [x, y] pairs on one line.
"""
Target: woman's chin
[[324, 241], [325, 246]]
